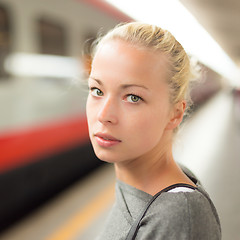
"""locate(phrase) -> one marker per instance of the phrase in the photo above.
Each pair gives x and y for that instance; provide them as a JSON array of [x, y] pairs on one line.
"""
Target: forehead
[[122, 61]]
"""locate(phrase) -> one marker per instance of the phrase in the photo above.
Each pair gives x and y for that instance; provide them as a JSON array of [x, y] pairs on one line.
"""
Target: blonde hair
[[157, 39]]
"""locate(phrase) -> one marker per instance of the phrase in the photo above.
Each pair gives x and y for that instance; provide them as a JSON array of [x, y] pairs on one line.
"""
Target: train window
[[5, 41], [52, 37]]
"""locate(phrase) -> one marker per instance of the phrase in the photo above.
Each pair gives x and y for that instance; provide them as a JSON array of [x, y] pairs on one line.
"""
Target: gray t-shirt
[[188, 215]]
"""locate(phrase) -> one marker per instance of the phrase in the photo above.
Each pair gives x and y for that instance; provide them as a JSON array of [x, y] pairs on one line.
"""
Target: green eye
[[96, 92], [133, 98]]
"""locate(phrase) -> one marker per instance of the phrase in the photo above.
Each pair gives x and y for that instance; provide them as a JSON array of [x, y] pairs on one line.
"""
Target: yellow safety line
[[85, 216]]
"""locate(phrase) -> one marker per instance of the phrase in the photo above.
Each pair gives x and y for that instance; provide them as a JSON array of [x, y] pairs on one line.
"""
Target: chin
[[107, 157]]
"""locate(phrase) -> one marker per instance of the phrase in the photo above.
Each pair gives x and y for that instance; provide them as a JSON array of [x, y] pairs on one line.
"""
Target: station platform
[[208, 144]]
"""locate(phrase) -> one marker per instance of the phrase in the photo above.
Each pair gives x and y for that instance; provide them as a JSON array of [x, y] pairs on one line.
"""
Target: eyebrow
[[123, 86]]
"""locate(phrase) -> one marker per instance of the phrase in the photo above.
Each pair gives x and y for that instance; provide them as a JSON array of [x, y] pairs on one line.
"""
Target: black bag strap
[[136, 225]]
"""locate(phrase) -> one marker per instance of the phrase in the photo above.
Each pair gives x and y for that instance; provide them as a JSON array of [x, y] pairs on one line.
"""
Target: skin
[[129, 100]]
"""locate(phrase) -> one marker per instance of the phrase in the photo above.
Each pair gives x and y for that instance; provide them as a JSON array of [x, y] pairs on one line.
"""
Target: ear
[[176, 115]]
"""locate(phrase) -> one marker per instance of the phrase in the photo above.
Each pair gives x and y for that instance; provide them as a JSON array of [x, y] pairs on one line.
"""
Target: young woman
[[138, 95]]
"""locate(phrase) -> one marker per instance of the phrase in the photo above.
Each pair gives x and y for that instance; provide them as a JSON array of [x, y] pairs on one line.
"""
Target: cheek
[[147, 129], [87, 110], [90, 112]]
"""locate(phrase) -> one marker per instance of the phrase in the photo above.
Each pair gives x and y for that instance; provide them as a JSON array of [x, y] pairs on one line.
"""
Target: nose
[[108, 112]]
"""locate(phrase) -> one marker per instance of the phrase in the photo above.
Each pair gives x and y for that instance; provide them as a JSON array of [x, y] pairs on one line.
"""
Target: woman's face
[[128, 105]]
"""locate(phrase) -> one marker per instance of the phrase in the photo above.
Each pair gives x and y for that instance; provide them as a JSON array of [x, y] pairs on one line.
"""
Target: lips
[[106, 140]]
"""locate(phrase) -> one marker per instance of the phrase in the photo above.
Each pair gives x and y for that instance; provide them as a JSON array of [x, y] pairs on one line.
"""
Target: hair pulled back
[[156, 39]]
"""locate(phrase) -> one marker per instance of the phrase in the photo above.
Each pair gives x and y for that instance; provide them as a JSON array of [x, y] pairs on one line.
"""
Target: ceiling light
[[173, 16]]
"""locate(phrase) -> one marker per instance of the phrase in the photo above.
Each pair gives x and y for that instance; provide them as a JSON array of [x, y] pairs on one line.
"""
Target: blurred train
[[44, 144]]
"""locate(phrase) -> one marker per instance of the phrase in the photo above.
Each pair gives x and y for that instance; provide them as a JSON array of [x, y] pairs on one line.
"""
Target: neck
[[152, 172]]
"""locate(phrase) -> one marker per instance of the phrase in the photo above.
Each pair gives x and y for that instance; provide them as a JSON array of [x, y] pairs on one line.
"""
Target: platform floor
[[209, 145]]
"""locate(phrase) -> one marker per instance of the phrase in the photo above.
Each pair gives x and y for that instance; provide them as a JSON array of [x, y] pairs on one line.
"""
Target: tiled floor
[[209, 145]]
